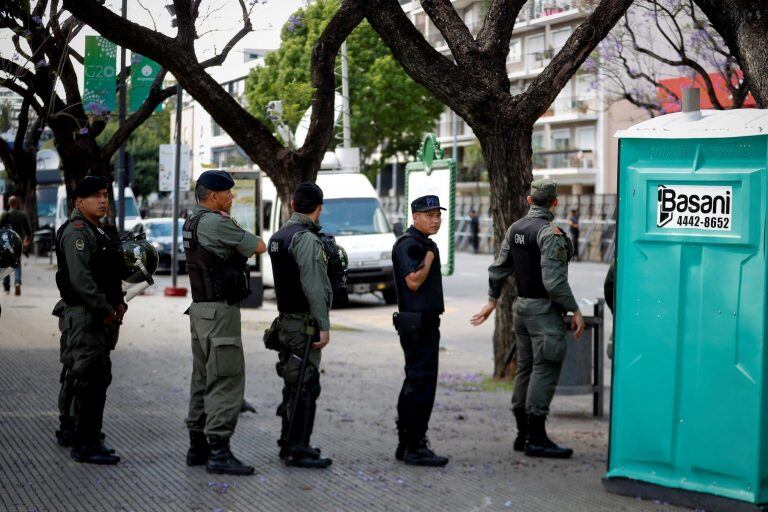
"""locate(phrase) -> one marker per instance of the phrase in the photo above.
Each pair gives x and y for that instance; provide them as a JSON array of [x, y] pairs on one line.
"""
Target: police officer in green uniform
[[537, 253], [304, 298], [217, 250], [91, 310], [419, 287]]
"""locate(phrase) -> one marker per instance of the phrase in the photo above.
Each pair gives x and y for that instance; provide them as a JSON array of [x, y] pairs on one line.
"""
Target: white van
[[351, 213], [131, 209]]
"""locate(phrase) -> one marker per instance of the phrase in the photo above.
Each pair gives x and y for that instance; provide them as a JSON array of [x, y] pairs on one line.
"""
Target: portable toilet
[[689, 415]]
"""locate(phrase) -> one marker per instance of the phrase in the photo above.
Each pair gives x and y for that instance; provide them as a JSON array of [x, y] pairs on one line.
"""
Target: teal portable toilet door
[[688, 402]]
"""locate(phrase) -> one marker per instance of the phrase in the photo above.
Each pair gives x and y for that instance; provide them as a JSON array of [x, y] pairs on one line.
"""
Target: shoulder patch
[[79, 244], [556, 230], [78, 224]]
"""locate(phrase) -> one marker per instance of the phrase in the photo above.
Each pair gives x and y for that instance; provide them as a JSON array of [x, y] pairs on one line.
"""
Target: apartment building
[[572, 141], [210, 146]]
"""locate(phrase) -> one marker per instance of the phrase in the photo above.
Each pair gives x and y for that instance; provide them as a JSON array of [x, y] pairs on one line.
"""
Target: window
[[216, 129], [534, 51], [515, 51], [353, 216], [559, 37]]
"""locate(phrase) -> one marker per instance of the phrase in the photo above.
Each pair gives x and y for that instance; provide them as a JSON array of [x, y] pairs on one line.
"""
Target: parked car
[[159, 232]]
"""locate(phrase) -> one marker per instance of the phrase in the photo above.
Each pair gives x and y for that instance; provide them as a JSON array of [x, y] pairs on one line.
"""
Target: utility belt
[[409, 322], [272, 334]]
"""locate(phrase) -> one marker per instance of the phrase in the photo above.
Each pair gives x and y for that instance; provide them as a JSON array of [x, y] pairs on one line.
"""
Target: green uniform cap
[[549, 186]]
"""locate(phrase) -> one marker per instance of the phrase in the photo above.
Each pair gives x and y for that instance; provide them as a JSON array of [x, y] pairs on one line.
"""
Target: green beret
[[547, 186]]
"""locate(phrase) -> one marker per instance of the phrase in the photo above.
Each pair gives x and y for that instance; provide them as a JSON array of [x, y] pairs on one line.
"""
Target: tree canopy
[[389, 111]]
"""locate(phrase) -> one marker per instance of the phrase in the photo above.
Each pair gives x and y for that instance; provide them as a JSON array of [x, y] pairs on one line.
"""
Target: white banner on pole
[[167, 163]]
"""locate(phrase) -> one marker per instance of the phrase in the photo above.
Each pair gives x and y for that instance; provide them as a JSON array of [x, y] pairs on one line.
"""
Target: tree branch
[[185, 23], [547, 85], [155, 97], [324, 54], [497, 27], [422, 62], [219, 59], [463, 46], [6, 156]]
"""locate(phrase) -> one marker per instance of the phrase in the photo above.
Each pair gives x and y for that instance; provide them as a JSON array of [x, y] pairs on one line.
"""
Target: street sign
[[167, 162], [143, 74], [432, 174], [99, 87]]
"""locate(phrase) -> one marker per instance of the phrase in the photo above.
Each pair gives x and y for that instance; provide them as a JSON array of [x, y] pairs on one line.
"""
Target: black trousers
[[417, 397]]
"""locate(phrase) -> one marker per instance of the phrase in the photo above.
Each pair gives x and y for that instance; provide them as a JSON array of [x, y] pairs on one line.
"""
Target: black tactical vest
[[210, 277], [288, 291], [104, 265], [429, 297], [526, 254]]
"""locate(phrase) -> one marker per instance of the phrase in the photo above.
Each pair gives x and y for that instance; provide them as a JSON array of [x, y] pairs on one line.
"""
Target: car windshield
[[130, 207], [161, 229], [353, 216], [46, 202]]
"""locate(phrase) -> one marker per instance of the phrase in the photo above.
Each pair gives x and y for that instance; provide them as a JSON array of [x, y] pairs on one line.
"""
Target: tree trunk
[[507, 151]]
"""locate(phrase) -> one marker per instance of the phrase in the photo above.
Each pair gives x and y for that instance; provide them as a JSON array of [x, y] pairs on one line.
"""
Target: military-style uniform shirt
[[408, 257], [556, 251], [222, 235], [18, 221], [80, 247], [307, 250]]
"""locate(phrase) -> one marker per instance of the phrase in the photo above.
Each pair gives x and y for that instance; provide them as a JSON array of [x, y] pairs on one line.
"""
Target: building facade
[[572, 141]]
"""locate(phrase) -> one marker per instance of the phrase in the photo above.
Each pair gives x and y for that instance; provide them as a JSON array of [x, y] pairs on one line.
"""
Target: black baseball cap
[[90, 185], [426, 203], [307, 197], [218, 181]]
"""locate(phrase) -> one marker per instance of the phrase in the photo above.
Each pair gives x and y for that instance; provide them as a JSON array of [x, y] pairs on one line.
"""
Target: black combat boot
[[402, 442], [539, 444], [221, 461], [65, 436], [419, 454], [92, 451], [197, 455], [300, 453], [521, 418]]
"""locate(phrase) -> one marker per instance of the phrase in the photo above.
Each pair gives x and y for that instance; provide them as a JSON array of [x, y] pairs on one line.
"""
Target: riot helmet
[[10, 251], [138, 263]]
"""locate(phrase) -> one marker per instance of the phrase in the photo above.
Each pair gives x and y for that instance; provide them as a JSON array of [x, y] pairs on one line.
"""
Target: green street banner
[[143, 74], [100, 87], [432, 174]]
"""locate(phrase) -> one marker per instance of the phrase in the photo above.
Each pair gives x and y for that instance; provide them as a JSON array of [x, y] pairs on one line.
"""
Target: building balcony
[[564, 160], [567, 109], [543, 11]]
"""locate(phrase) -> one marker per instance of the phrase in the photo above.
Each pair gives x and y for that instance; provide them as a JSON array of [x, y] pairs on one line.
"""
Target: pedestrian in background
[[17, 220], [573, 228], [474, 228]]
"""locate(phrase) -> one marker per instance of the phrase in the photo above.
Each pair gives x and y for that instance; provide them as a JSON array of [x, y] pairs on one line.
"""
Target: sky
[[219, 21]]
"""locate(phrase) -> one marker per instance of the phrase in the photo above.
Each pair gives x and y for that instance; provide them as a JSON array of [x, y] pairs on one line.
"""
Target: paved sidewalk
[[362, 372]]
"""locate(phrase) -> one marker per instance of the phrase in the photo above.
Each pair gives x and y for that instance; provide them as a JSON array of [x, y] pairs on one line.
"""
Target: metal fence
[[596, 221]]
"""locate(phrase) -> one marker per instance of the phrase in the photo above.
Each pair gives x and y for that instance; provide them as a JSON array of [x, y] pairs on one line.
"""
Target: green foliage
[[143, 145], [389, 111]]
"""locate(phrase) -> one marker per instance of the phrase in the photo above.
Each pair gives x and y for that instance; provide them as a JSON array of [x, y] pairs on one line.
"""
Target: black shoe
[[103, 446], [400, 451], [419, 454], [221, 461], [521, 418], [540, 445], [246, 406], [197, 455], [93, 454], [297, 460], [65, 437]]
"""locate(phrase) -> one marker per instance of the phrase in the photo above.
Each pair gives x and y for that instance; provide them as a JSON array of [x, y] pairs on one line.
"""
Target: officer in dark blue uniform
[[419, 287]]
